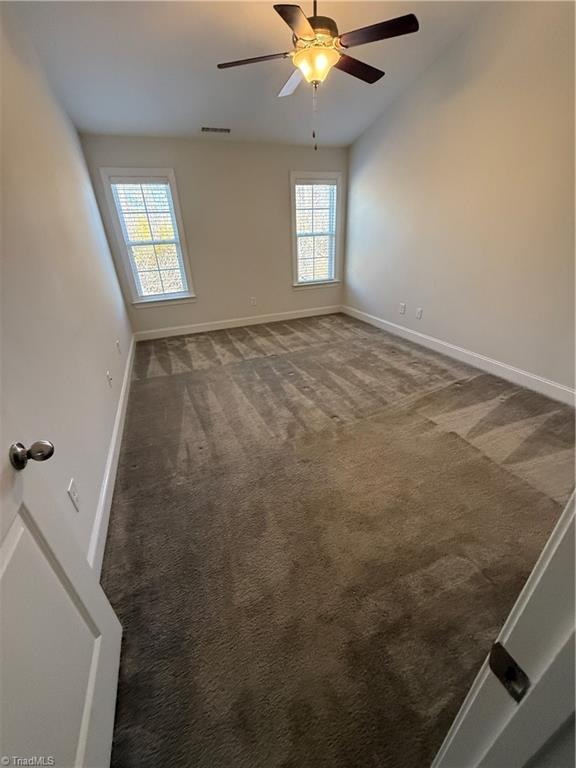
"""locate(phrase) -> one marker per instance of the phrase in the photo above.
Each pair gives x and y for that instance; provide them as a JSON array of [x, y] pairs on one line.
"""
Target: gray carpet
[[317, 531]]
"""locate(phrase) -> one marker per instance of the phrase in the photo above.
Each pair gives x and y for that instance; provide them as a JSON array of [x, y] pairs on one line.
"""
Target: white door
[[59, 637], [492, 729]]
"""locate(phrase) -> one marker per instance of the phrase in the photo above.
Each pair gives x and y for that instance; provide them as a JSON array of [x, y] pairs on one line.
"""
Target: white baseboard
[[516, 375], [236, 322], [100, 527]]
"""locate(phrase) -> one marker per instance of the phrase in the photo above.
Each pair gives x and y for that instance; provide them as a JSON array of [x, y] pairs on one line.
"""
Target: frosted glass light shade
[[315, 62]]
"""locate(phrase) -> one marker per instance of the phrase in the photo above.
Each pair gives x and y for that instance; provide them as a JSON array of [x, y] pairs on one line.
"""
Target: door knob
[[41, 450]]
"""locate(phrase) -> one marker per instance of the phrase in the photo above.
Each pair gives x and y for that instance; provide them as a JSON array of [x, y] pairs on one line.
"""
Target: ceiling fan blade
[[255, 59], [402, 25], [291, 84], [358, 69], [294, 16]]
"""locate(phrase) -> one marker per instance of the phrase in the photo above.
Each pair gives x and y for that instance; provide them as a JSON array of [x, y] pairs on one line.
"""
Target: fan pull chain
[[314, 113]]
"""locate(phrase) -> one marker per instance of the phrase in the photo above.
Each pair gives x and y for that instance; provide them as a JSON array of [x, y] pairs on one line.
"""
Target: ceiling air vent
[[209, 129]]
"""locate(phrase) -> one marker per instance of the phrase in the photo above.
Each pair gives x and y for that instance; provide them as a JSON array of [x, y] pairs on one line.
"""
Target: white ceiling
[[149, 68]]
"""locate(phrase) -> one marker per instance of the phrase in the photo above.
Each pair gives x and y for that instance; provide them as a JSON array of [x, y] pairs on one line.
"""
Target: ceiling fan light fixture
[[315, 62]]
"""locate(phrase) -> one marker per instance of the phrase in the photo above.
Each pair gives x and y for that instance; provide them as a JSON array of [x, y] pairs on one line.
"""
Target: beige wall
[[235, 201], [61, 308], [461, 195]]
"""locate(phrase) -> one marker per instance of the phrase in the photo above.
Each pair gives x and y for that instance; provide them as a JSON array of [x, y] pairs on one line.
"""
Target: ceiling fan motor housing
[[323, 25]]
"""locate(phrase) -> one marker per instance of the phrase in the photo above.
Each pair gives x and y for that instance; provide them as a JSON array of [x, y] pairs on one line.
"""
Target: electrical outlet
[[109, 378], [419, 313], [118, 347], [402, 308], [73, 493], [253, 300]]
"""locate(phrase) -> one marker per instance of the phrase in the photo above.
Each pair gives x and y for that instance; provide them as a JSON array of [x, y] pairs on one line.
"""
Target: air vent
[[209, 129]]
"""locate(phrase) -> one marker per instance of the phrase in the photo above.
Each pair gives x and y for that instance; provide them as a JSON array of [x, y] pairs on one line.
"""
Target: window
[[316, 213], [147, 223]]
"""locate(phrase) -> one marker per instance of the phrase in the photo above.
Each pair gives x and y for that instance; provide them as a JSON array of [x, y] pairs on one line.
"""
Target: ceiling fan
[[318, 46]]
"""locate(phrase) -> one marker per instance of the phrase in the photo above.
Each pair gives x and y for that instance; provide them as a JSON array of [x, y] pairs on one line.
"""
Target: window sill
[[316, 284], [180, 299]]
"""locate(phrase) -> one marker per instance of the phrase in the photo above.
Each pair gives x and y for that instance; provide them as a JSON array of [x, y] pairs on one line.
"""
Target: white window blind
[[146, 215], [316, 211]]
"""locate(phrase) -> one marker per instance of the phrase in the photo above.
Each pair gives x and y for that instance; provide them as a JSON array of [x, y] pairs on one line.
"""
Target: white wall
[[461, 196], [61, 309], [235, 201]]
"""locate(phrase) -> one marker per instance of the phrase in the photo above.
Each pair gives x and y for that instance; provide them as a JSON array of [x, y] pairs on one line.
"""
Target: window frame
[[318, 177], [124, 175]]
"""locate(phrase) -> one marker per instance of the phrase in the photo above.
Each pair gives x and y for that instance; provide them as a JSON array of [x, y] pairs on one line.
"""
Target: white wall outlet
[[73, 493], [253, 300], [419, 313], [109, 378], [118, 347], [402, 309]]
